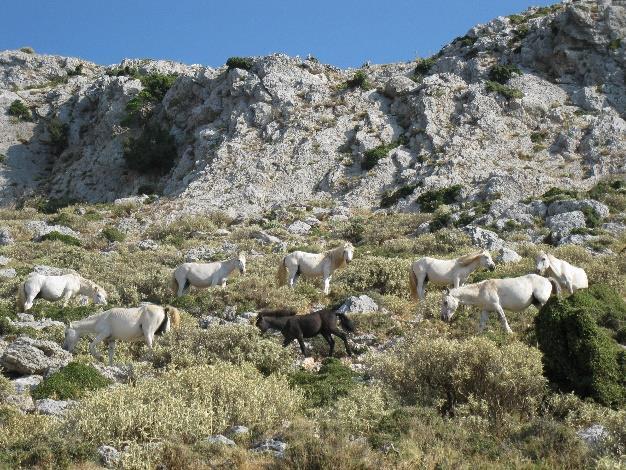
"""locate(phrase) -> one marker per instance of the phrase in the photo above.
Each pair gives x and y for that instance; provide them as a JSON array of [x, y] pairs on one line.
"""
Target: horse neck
[[276, 322], [336, 257], [467, 295], [85, 325], [230, 265], [85, 287], [470, 267]]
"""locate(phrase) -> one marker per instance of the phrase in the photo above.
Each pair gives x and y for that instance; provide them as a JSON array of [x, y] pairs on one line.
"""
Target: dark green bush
[[371, 156], [391, 197], [113, 234], [155, 86], [65, 314], [431, 200], [423, 66], [244, 63], [20, 111], [359, 80], [557, 194], [58, 132], [355, 230], [440, 221], [503, 73], [615, 44], [27, 50], [52, 205], [506, 91], [58, 236], [78, 70], [322, 388], [592, 219], [465, 41], [578, 355], [71, 382], [610, 310], [154, 151]]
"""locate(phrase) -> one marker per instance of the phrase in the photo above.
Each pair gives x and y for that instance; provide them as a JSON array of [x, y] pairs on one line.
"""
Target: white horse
[[497, 295], [125, 324], [569, 277], [449, 272], [205, 274], [57, 288], [314, 265]]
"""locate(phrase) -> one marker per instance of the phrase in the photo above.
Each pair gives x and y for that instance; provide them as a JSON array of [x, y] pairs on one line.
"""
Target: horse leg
[[505, 324], [331, 343], [96, 341], [182, 286], [484, 316], [111, 351], [327, 284], [293, 276], [67, 294], [337, 332], [421, 285]]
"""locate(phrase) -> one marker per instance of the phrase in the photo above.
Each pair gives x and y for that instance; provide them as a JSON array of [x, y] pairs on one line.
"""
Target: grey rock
[[614, 228], [299, 227], [248, 315], [39, 324], [148, 244], [51, 407], [4, 260], [201, 253], [484, 238], [25, 317], [506, 256], [50, 270], [5, 237], [575, 239], [593, 435], [273, 446], [109, 456], [206, 321], [40, 228], [29, 356], [399, 86], [266, 238], [132, 200], [563, 223], [571, 205], [238, 430], [423, 228], [116, 374], [27, 383], [8, 273], [312, 221], [360, 304], [222, 232], [23, 402], [219, 439]]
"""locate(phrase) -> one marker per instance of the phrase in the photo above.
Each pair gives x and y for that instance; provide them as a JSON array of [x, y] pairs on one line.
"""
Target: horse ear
[[447, 291]]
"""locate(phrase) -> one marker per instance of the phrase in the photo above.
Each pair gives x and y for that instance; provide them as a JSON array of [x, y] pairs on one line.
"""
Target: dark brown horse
[[298, 327]]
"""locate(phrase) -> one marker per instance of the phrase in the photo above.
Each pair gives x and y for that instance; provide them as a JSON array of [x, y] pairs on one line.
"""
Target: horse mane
[[552, 266], [467, 259], [336, 255], [279, 312]]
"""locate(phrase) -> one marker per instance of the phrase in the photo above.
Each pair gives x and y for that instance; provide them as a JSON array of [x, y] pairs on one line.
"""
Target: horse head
[[261, 323], [71, 338], [348, 252], [486, 261], [542, 263], [99, 295], [448, 305], [242, 263]]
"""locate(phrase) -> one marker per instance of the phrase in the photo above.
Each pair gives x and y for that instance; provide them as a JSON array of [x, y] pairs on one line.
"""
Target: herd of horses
[[144, 322]]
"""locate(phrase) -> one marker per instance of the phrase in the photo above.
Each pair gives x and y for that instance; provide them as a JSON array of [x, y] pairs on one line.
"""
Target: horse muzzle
[[492, 267]]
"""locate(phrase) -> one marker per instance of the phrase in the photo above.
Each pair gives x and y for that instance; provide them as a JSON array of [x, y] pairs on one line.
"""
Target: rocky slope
[[289, 130]]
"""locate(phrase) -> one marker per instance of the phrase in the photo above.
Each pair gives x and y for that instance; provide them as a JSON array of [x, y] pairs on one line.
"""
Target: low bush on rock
[[503, 73], [372, 156], [187, 405], [390, 197], [423, 66], [155, 86], [58, 132], [359, 80], [61, 237], [153, 152], [20, 111], [473, 374], [579, 355], [431, 200], [244, 63], [506, 91], [382, 274], [324, 387], [71, 382], [113, 234]]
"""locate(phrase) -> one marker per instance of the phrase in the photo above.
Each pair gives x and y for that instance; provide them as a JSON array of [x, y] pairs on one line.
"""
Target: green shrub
[[423, 66], [71, 382], [27, 50], [113, 234], [244, 63], [465, 41], [441, 220], [78, 70], [557, 194], [382, 274], [610, 192], [61, 237], [323, 388], [475, 373], [58, 312], [503, 90], [359, 80], [153, 152], [58, 132], [389, 197], [578, 355], [155, 86], [354, 230], [20, 111], [503, 73], [592, 219], [188, 405], [371, 156], [615, 44], [429, 201]]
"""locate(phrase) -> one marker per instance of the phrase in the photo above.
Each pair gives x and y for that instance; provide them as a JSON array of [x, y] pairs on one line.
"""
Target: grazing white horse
[[306, 264], [205, 274], [125, 324], [569, 277], [449, 272], [57, 288], [497, 295]]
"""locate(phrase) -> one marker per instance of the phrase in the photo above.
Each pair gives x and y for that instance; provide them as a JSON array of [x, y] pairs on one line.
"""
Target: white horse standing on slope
[[205, 274], [497, 295], [306, 264], [125, 324], [57, 288], [449, 272], [569, 277]]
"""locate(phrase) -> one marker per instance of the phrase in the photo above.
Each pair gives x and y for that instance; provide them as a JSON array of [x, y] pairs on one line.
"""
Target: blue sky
[[345, 33]]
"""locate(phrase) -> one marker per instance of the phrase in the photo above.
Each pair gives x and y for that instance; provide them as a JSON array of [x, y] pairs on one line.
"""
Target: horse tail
[[21, 297], [173, 314], [281, 274], [413, 284], [174, 282], [346, 323], [165, 323]]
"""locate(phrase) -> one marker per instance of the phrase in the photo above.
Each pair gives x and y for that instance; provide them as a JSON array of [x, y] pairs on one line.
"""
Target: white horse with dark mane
[[57, 288], [447, 272], [124, 324], [569, 277], [205, 274], [301, 263], [497, 295]]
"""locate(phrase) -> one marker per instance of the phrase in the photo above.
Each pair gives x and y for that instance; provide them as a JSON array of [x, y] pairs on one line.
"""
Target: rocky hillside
[[512, 108]]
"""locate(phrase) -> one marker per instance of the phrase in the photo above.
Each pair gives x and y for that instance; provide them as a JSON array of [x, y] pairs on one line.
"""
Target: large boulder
[[39, 228], [57, 408], [29, 356], [399, 86], [360, 304], [570, 205], [563, 223], [484, 238], [5, 236]]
